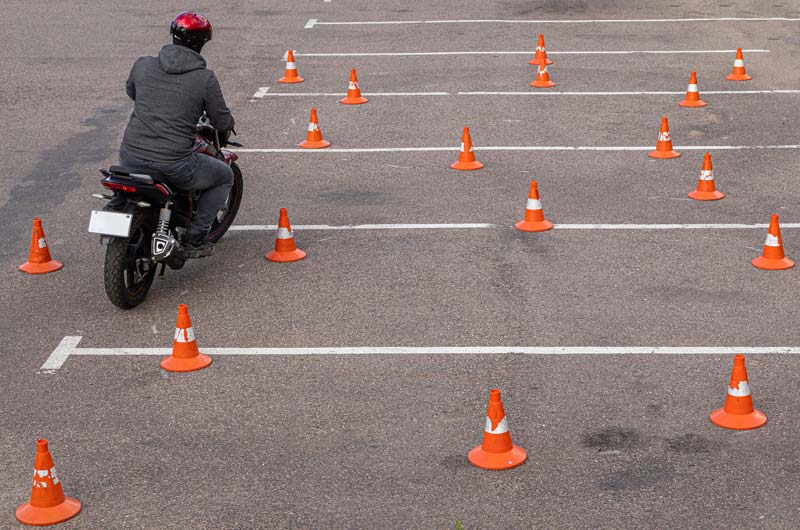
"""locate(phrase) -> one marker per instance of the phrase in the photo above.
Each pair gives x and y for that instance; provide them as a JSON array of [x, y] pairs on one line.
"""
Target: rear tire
[[225, 217], [126, 275]]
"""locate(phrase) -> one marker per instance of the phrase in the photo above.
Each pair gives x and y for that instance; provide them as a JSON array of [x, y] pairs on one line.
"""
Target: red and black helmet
[[191, 29]]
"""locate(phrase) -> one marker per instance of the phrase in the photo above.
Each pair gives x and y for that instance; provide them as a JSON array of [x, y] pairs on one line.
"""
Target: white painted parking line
[[451, 226], [69, 347], [431, 226], [263, 92], [632, 93], [512, 148], [525, 52], [315, 22]]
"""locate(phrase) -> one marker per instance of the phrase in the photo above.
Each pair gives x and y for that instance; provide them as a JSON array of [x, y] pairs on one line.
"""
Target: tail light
[[119, 187]]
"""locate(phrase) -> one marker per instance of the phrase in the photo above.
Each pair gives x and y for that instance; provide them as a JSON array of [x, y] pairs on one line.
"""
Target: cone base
[[290, 80], [285, 257], [772, 264], [353, 101], [535, 61], [33, 516], [663, 154], [706, 195], [41, 268], [178, 364], [497, 461], [689, 103], [466, 166], [738, 77], [739, 422], [534, 226], [543, 84], [320, 144]]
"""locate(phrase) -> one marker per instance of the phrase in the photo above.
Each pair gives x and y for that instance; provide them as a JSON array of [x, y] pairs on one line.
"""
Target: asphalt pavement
[[346, 441]]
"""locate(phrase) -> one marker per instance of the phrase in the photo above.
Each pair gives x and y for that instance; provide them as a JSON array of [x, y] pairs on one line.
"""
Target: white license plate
[[110, 223]]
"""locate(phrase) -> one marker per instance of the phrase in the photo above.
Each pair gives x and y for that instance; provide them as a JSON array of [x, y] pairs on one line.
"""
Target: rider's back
[[170, 93]]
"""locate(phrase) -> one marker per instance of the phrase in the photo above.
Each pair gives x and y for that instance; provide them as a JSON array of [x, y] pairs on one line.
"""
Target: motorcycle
[[146, 219]]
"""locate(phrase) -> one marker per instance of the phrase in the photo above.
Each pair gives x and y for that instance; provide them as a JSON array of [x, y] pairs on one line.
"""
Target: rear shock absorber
[[163, 242], [162, 228]]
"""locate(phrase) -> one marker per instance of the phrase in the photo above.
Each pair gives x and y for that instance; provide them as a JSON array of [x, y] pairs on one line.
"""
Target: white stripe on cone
[[742, 391], [291, 66], [738, 62], [284, 233], [663, 137], [352, 86], [706, 174], [184, 335], [471, 149], [534, 204], [692, 87], [772, 241], [313, 127], [502, 427]]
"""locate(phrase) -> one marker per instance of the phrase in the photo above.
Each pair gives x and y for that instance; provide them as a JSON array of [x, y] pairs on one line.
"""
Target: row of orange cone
[[353, 97], [542, 80], [49, 505], [285, 250], [692, 93], [772, 257]]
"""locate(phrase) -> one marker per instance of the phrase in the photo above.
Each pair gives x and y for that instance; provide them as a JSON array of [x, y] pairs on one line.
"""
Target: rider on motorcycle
[[170, 92]]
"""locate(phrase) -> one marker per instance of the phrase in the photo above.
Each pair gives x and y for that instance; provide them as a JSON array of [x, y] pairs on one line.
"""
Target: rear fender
[[230, 156]]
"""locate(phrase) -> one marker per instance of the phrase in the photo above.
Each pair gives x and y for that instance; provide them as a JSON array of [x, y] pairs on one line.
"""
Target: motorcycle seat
[[150, 176]]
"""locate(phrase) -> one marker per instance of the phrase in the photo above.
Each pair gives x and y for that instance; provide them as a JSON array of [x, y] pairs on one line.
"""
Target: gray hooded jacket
[[170, 92]]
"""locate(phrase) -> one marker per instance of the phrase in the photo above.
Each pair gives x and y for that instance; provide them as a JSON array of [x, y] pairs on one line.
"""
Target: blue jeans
[[212, 177]]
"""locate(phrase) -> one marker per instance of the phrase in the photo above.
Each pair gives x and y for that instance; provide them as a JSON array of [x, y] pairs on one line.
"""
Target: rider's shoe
[[196, 245]]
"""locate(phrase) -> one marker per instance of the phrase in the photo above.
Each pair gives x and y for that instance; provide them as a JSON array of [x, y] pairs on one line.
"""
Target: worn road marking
[[562, 226], [315, 22], [619, 93], [524, 52], [259, 94], [263, 92], [69, 347], [512, 148]]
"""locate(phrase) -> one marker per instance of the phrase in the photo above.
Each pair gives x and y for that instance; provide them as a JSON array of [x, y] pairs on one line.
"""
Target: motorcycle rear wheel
[[225, 217], [127, 273]]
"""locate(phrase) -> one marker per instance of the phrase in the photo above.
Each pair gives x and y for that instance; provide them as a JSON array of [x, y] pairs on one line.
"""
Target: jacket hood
[[177, 59]]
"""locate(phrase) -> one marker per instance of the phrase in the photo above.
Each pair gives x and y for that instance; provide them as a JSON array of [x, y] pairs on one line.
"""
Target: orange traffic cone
[[496, 451], [290, 75], [185, 355], [354, 96], [738, 412], [540, 52], [48, 504], [39, 260], [692, 98], [542, 77], [466, 157], [534, 215], [772, 257], [285, 249], [706, 190], [314, 135], [738, 73], [664, 144]]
